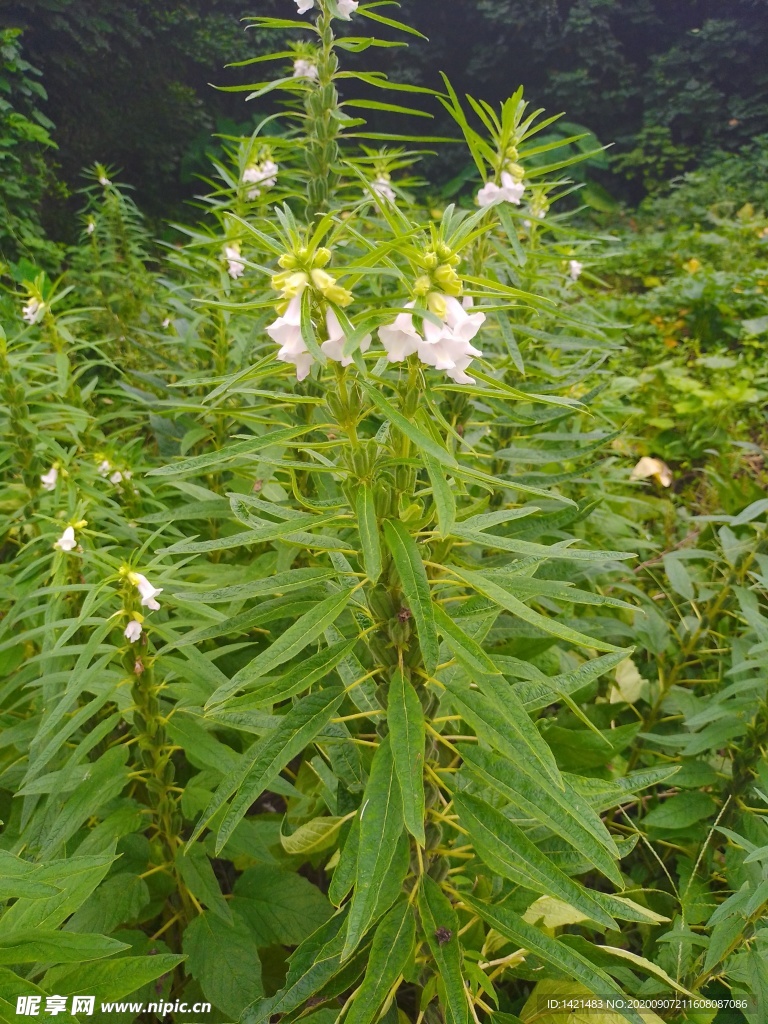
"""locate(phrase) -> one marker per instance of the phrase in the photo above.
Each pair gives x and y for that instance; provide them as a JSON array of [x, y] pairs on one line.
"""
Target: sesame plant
[[327, 691]]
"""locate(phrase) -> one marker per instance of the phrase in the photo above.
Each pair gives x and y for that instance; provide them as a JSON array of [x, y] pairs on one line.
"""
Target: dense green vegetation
[[384, 590]]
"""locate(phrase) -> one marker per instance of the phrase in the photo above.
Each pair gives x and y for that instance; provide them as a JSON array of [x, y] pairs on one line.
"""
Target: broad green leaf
[[57, 947], [391, 950], [264, 761], [381, 825], [198, 876], [224, 959], [279, 906], [440, 926], [299, 635], [311, 837], [413, 578], [119, 900], [369, 532], [507, 850], [504, 920], [346, 869], [405, 718], [75, 878], [110, 979]]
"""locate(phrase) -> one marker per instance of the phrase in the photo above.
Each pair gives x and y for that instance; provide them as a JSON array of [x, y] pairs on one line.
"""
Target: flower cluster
[[148, 594], [116, 476], [303, 270], [263, 175], [444, 344], [345, 7]]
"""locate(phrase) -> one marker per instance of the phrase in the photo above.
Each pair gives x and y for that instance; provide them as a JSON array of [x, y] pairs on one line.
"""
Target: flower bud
[[430, 260], [302, 253], [322, 257], [287, 261], [436, 304], [444, 251], [517, 172], [338, 295], [422, 285], [448, 279], [511, 152], [294, 285], [322, 280]]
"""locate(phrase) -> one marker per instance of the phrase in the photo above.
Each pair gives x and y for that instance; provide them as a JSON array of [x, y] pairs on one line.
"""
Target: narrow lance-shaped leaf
[[260, 765], [381, 825], [390, 952], [413, 577], [369, 532], [405, 717], [504, 920], [306, 629], [443, 496], [441, 930], [507, 850], [422, 441]]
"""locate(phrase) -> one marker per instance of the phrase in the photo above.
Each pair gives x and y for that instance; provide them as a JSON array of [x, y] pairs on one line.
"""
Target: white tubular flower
[[116, 478], [382, 187], [33, 311], [90, 227], [147, 591], [132, 631], [463, 325], [104, 467], [263, 174], [303, 68], [286, 332], [400, 338], [347, 8], [574, 269], [104, 180], [235, 267], [510, 191], [304, 5], [334, 347], [67, 541], [167, 322], [48, 480]]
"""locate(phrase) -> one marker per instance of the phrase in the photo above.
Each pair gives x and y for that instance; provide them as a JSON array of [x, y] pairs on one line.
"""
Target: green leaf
[[224, 959], [279, 906], [299, 635], [381, 826], [440, 925], [119, 900], [281, 583], [488, 588], [57, 947], [263, 762], [507, 850], [256, 444], [311, 837], [197, 874], [369, 532], [422, 441], [316, 668], [391, 950], [442, 495], [110, 979], [75, 878], [565, 813], [405, 717], [504, 920], [413, 578]]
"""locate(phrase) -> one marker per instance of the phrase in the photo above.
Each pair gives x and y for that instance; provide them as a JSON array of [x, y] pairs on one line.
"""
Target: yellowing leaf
[[629, 686], [648, 467], [552, 913]]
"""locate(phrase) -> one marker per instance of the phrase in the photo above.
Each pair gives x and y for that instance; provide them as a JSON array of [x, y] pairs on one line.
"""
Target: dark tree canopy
[[666, 81]]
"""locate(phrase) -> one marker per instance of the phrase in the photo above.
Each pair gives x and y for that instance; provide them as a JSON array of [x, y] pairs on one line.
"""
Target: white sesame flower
[[303, 68], [67, 541], [48, 480], [286, 332], [381, 186], [132, 631], [334, 347], [347, 8], [90, 227], [167, 322], [304, 5], [104, 180], [104, 467], [263, 174], [400, 338], [33, 311], [510, 191], [236, 267], [147, 591], [574, 269], [464, 325], [116, 478]]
